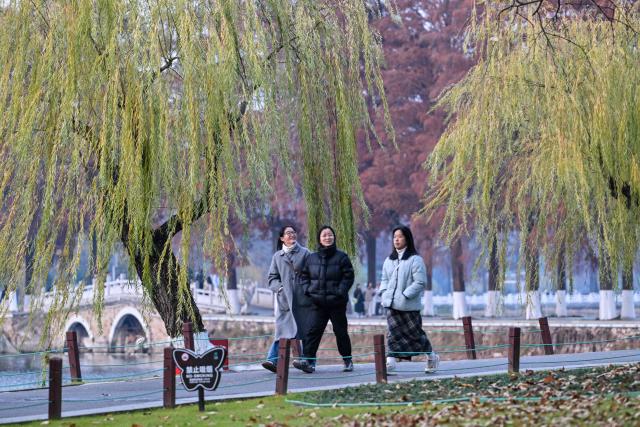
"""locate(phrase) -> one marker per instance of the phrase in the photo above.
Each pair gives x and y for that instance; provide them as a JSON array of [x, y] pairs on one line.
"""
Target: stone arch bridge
[[125, 329]]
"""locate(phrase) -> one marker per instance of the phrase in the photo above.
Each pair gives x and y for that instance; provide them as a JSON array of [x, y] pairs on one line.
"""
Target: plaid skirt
[[405, 334]]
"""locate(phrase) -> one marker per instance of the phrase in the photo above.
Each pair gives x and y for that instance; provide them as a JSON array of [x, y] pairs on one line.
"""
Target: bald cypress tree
[[137, 118]]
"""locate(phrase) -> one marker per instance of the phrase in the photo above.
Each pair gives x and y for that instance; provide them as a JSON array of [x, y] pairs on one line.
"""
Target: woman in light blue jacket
[[403, 279]]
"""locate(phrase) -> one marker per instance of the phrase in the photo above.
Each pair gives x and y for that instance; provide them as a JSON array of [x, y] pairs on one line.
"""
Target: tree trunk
[[457, 266], [492, 285], [232, 273], [457, 276], [561, 284], [29, 259], [429, 268], [370, 241], [232, 284], [164, 292], [494, 267], [428, 309], [606, 278], [628, 310], [627, 277], [532, 269], [532, 282], [23, 293], [605, 275]]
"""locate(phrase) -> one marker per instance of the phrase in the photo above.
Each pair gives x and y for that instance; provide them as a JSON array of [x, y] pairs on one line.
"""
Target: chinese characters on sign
[[200, 370]]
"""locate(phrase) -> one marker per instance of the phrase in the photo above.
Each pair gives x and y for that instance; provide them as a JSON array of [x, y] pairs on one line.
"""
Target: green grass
[[274, 411], [597, 396]]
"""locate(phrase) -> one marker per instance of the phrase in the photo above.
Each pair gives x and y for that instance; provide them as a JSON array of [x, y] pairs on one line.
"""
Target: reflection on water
[[26, 370]]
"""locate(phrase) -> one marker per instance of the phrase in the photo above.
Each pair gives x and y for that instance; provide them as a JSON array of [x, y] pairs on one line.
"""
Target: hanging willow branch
[[548, 123], [112, 108]]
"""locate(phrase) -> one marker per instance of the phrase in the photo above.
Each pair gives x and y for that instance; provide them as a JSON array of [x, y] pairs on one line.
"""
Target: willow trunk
[[164, 273]]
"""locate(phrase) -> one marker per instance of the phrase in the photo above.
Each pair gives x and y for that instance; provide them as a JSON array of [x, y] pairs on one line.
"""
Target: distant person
[[377, 300], [369, 300], [358, 296], [199, 279], [326, 278], [284, 277], [403, 280]]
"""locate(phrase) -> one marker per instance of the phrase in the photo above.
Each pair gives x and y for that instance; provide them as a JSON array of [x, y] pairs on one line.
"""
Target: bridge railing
[[126, 289]]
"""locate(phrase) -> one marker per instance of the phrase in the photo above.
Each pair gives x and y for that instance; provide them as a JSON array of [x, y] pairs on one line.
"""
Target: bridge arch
[[82, 329], [127, 329]]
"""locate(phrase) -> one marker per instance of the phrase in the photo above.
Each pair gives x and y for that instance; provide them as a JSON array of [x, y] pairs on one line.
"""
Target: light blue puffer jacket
[[403, 283]]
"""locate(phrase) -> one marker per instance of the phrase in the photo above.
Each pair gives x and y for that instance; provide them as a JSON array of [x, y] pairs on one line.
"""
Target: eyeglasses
[[289, 233]]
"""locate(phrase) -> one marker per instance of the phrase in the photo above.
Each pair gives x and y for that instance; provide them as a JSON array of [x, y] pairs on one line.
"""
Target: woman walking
[[359, 298], [369, 300], [326, 278], [284, 277], [403, 281]]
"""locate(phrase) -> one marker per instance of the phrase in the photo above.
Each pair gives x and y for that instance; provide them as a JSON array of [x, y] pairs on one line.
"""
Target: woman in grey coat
[[284, 275], [403, 279]]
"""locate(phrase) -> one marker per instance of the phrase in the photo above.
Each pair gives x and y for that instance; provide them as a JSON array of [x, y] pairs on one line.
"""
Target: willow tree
[[137, 118], [544, 137]]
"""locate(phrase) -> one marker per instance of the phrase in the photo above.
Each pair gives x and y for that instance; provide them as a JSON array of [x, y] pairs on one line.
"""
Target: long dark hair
[[281, 235], [408, 236]]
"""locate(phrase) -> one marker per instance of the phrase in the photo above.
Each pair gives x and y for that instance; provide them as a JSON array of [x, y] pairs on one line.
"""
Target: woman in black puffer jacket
[[326, 277]]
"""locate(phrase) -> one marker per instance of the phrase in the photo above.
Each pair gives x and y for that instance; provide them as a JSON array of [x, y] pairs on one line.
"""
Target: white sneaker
[[391, 364], [433, 361]]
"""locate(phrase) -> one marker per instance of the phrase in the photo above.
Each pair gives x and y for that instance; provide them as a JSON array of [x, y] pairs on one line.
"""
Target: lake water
[[25, 371]]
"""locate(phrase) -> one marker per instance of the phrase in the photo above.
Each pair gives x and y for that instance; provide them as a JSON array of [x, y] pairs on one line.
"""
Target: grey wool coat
[[284, 281]]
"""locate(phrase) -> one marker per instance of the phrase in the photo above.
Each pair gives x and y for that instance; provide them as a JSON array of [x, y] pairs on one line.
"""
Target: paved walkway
[[122, 396], [568, 322]]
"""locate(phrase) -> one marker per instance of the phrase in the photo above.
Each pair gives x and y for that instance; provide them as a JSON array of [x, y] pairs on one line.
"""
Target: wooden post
[[169, 393], [296, 348], [380, 358], [514, 350], [74, 356], [55, 388], [187, 334], [546, 335], [469, 340], [282, 369]]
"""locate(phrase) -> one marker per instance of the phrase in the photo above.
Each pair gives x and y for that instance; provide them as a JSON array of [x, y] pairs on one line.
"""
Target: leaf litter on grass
[[549, 385], [591, 411]]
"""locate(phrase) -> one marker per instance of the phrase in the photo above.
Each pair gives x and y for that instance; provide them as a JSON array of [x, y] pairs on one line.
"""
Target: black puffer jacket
[[327, 276]]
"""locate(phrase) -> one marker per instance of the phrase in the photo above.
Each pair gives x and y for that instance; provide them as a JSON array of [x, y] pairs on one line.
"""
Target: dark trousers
[[318, 318]]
